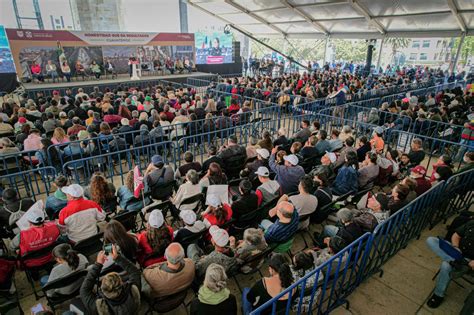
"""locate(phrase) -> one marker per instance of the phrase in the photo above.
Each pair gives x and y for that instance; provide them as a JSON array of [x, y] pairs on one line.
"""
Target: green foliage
[[355, 50], [396, 43], [467, 49]]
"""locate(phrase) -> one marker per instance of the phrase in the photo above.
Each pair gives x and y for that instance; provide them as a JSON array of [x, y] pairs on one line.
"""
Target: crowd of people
[[283, 182]]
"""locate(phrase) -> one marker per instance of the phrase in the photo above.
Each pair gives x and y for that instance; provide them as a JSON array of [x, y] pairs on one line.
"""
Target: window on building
[[438, 43], [423, 56], [415, 44], [435, 56], [426, 44], [413, 56]]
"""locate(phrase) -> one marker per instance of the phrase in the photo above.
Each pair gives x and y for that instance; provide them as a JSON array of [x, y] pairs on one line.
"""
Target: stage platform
[[124, 79]]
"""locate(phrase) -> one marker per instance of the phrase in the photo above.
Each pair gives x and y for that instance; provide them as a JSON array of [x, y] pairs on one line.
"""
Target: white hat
[[213, 201], [74, 190], [263, 153], [156, 219], [331, 156], [125, 122], [292, 159], [220, 236], [188, 216], [378, 130], [35, 214], [263, 171]]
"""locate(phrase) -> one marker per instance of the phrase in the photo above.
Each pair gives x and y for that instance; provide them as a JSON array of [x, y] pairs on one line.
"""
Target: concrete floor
[[403, 289]]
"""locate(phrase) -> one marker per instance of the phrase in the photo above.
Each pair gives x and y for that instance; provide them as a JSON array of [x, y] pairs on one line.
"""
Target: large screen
[[6, 59], [213, 48]]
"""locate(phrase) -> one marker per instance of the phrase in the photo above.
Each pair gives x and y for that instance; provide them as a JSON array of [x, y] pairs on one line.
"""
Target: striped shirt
[[280, 232]]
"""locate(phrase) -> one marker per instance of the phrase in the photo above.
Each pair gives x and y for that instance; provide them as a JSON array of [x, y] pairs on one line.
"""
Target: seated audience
[[265, 289], [213, 158], [57, 201], [214, 297], [247, 200], [309, 150], [127, 243], [368, 170], [422, 184], [252, 244], [287, 175], [323, 145], [126, 197], [102, 192], [285, 226], [364, 147], [169, 277], [416, 154], [217, 213], [304, 202], [189, 164], [115, 296], [80, 216], [269, 189], [347, 179], [12, 210], [191, 227], [68, 261], [153, 241], [188, 189]]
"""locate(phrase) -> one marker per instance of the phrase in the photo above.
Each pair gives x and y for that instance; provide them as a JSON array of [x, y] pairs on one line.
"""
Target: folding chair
[[57, 299]]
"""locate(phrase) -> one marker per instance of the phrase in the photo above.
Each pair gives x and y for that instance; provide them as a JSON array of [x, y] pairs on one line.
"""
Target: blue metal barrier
[[32, 183], [338, 277]]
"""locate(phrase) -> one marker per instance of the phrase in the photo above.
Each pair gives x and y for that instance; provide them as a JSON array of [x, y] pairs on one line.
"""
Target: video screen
[[213, 48], [6, 59]]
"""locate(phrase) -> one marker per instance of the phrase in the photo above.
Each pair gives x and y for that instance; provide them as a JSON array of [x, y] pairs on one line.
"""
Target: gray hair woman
[[214, 297], [189, 189], [253, 244]]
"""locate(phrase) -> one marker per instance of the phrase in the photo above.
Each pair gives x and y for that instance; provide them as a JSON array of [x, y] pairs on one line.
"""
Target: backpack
[[14, 217], [366, 221]]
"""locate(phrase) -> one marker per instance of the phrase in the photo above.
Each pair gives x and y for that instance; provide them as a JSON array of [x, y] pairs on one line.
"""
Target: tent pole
[[458, 52], [380, 54]]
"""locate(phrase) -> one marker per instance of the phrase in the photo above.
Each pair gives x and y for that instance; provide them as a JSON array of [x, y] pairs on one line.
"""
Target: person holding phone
[[114, 295]]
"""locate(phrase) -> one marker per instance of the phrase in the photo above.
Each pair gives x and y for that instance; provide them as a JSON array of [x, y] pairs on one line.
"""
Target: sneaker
[[435, 301]]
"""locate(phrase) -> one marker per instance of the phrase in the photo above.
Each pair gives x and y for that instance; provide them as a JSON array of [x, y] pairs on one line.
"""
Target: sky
[[138, 15]]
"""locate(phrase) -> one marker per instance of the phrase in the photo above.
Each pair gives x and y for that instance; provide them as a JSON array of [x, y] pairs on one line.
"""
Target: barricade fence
[[375, 249], [31, 183]]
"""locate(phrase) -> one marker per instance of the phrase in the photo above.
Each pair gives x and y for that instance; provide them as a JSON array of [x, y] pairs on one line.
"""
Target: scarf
[[207, 296]]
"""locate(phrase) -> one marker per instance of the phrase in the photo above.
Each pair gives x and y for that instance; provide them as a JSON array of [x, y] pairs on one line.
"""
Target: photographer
[[457, 259], [114, 296]]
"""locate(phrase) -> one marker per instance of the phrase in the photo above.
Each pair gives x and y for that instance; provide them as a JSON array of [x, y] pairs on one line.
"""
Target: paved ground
[[403, 289]]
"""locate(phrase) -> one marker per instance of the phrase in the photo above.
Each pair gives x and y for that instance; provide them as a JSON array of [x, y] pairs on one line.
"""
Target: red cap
[[22, 120], [419, 170], [55, 92]]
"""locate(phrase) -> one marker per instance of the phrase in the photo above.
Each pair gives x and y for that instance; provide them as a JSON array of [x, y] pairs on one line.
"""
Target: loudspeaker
[[236, 48]]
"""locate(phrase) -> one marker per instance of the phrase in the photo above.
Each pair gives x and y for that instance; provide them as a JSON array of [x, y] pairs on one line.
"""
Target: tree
[[396, 43], [467, 49]]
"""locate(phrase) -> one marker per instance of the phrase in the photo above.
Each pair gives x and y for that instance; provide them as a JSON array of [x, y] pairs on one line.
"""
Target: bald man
[[171, 276], [285, 226]]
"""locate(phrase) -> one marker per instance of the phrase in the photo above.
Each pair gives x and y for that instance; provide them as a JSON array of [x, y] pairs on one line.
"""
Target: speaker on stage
[[236, 48]]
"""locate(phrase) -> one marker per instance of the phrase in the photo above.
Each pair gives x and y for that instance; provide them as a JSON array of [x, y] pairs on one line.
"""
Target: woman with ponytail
[[68, 261], [281, 277]]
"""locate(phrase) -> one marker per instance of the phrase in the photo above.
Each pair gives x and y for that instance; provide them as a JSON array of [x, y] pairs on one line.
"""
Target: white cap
[[213, 201], [188, 216], [263, 171], [156, 219], [125, 122], [263, 153], [74, 190], [220, 236], [292, 159], [35, 214], [331, 156]]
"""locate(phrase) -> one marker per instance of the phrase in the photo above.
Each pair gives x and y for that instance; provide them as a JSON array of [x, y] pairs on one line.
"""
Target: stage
[[122, 79]]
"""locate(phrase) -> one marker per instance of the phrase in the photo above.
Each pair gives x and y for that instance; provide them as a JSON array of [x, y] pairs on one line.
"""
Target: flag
[[137, 182]]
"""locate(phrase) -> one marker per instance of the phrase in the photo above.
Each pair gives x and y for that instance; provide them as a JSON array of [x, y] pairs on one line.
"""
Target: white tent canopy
[[363, 19]]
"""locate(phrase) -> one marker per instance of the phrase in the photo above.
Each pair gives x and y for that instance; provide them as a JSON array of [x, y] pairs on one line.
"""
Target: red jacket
[[422, 185], [144, 249], [36, 238]]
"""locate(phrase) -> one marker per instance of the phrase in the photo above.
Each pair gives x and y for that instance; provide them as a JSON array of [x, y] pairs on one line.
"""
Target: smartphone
[[107, 249]]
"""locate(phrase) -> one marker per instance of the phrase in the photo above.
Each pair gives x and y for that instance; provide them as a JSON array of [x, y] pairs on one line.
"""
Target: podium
[[135, 71]]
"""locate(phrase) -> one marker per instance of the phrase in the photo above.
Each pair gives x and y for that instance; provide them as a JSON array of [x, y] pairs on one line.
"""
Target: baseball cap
[[188, 216], [125, 122], [22, 120], [55, 92], [74, 190], [156, 159], [383, 200], [292, 159], [62, 114], [263, 153], [419, 170], [147, 98], [156, 219], [331, 156], [263, 171], [35, 214], [213, 201], [220, 236], [378, 130]]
